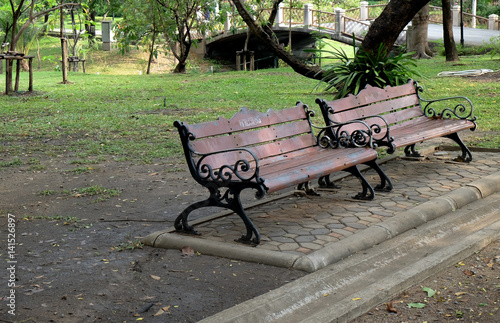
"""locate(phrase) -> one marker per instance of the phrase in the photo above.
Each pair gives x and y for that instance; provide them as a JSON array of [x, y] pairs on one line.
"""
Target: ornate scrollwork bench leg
[[230, 199], [466, 156], [385, 182], [410, 151]]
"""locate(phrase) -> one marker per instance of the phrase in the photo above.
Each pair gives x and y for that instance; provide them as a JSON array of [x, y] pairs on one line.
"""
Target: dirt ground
[[78, 259], [77, 256]]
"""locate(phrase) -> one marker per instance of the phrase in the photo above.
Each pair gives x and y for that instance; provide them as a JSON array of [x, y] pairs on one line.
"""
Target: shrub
[[351, 75]]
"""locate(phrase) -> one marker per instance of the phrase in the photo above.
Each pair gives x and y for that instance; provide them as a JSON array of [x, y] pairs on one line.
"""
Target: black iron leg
[[385, 182], [466, 156], [325, 181], [230, 200], [306, 187], [181, 223], [410, 151], [368, 193], [251, 229]]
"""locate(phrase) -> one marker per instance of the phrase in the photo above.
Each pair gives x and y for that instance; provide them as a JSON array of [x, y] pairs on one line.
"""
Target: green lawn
[[116, 113]]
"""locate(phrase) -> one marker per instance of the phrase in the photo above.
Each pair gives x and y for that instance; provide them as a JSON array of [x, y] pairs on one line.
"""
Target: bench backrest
[[270, 136], [395, 104]]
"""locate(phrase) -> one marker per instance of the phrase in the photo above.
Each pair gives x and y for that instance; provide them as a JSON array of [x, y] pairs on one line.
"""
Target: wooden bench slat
[[263, 151], [372, 95], [279, 180], [249, 138], [246, 119]]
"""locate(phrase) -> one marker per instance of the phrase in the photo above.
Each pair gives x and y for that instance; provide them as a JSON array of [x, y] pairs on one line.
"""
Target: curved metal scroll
[[463, 110]]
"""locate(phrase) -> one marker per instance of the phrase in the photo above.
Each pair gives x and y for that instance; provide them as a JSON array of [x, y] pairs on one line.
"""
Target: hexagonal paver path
[[300, 224]]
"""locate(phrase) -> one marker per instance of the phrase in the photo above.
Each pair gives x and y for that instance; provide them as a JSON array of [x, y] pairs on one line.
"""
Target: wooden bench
[[264, 151], [399, 116]]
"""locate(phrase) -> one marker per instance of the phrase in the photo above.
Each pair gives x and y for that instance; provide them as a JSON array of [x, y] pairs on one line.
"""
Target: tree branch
[[298, 66]]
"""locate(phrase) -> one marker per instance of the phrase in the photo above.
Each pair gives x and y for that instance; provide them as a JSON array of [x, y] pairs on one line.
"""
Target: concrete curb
[[347, 289], [337, 251]]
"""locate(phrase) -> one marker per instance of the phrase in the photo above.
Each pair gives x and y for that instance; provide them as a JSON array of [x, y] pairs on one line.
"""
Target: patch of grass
[[123, 116], [81, 170], [47, 192], [130, 245], [102, 193], [84, 161], [11, 163], [97, 190]]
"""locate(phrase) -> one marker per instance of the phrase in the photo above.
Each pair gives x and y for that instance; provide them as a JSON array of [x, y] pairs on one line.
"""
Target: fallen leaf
[[390, 308], [416, 305], [460, 293], [430, 292], [160, 312], [187, 251], [155, 277], [356, 299], [469, 272]]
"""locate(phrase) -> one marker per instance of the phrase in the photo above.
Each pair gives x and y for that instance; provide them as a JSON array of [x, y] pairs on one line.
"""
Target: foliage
[[177, 20], [350, 75]]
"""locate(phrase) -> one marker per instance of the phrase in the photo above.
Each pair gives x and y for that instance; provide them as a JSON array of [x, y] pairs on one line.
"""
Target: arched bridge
[[307, 24]]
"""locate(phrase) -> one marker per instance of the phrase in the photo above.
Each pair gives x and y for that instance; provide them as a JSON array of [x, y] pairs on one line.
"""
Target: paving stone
[[349, 219], [307, 238], [358, 225], [320, 231], [336, 226], [342, 232], [310, 245], [290, 246]]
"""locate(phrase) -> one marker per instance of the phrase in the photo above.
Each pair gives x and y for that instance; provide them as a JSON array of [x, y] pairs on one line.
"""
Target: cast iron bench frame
[[267, 152], [399, 116]]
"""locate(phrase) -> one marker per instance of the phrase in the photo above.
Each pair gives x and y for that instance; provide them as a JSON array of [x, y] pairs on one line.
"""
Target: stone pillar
[[363, 10], [339, 20], [107, 35], [492, 22], [280, 15], [227, 23], [308, 15], [456, 15]]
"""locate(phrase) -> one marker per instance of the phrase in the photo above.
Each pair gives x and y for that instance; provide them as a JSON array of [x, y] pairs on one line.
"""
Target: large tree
[[419, 41], [179, 19], [384, 30], [449, 42]]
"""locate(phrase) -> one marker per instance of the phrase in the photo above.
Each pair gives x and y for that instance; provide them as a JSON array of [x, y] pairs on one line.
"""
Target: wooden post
[[8, 75], [30, 66], [83, 65], [18, 71], [238, 61], [63, 48], [64, 60], [252, 61]]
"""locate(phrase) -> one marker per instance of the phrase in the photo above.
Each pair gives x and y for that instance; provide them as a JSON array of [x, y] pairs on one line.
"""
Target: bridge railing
[[354, 20], [323, 19]]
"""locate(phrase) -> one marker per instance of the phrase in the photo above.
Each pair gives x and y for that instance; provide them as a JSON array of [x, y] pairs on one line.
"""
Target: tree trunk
[[182, 56], [420, 41], [393, 19], [265, 37], [449, 42], [151, 50]]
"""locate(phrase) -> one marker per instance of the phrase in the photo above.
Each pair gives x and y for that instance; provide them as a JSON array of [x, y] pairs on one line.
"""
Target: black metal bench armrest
[[463, 110], [334, 136], [203, 172], [373, 129], [240, 171]]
